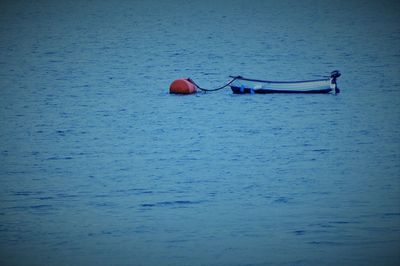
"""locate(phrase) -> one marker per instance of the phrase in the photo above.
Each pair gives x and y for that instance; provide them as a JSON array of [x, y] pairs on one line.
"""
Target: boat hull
[[241, 85], [244, 90]]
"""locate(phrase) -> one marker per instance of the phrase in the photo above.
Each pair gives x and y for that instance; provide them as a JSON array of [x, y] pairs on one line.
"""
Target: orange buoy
[[182, 86]]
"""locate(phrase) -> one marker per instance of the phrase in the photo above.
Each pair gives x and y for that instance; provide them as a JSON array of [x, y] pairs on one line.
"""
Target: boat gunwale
[[282, 82]]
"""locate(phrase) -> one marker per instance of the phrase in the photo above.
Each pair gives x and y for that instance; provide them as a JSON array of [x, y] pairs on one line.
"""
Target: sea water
[[99, 165]]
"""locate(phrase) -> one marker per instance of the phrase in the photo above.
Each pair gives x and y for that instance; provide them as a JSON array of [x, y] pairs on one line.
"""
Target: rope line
[[216, 89]]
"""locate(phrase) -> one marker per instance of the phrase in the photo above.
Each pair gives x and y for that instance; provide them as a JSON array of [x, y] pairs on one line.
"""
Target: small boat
[[242, 85]]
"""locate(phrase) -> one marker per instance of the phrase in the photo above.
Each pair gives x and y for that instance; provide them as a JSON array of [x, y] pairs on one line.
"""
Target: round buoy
[[182, 86]]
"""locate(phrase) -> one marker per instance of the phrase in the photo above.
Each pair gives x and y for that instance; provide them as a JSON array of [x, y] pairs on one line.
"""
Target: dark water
[[99, 165]]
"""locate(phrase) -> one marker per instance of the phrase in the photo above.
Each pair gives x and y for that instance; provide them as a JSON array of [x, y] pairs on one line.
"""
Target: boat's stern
[[334, 75]]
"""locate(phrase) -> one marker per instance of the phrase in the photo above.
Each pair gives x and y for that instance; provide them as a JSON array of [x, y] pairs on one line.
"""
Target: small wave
[[391, 214], [63, 195], [27, 193], [59, 158], [45, 198], [282, 200], [42, 206], [321, 150], [325, 243], [299, 232], [170, 203], [136, 191]]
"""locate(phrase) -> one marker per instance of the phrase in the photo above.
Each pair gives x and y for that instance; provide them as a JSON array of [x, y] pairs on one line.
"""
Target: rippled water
[[100, 165]]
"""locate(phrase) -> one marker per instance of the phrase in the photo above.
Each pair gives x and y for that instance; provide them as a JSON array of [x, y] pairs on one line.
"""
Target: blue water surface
[[99, 165]]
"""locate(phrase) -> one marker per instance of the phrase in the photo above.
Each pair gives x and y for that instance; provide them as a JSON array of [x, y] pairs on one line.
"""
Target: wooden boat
[[242, 85]]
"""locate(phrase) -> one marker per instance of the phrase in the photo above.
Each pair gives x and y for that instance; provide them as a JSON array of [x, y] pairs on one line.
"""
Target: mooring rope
[[216, 89]]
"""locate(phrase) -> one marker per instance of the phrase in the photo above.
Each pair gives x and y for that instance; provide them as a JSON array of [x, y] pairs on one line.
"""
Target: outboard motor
[[334, 75]]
